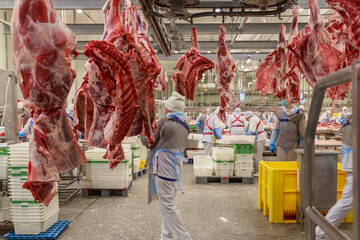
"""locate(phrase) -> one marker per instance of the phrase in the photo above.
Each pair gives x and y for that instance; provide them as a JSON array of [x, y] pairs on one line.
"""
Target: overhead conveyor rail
[[313, 217]]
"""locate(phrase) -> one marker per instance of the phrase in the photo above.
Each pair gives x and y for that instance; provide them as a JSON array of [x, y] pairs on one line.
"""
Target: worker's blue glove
[[272, 148], [217, 132], [197, 124], [250, 133], [341, 121], [226, 127], [21, 135], [301, 146]]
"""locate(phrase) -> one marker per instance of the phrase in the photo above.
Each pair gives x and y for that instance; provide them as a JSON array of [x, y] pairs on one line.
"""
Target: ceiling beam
[[208, 45], [211, 56], [184, 28], [98, 4], [63, 4]]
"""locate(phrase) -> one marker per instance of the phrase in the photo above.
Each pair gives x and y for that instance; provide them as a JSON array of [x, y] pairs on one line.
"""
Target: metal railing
[[314, 217]]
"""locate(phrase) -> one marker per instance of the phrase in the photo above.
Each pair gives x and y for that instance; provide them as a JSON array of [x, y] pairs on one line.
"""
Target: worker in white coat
[[288, 133], [236, 123], [26, 130], [343, 115], [343, 207], [256, 127], [200, 121], [166, 166], [212, 131], [325, 117]]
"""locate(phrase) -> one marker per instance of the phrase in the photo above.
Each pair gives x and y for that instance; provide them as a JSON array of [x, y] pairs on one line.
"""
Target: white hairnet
[[328, 111], [301, 107], [207, 110], [237, 110], [248, 114], [344, 108]]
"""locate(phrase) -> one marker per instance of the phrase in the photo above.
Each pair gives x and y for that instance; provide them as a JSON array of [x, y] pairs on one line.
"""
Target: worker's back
[[236, 123]]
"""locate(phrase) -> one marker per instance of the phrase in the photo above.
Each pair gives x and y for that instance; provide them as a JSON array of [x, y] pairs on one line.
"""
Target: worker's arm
[[26, 129], [157, 134], [228, 122], [274, 135], [217, 128]]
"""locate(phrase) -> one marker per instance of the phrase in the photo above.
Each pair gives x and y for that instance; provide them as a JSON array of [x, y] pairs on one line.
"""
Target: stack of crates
[[29, 217], [244, 154], [4, 154], [223, 161], [136, 158], [100, 176]]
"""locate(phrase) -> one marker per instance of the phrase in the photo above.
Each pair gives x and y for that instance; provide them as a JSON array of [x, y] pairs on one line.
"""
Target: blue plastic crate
[[51, 234]]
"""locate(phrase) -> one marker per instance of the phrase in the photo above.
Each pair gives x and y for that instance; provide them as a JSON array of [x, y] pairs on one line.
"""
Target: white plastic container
[[223, 154], [223, 169], [243, 172], [106, 183], [244, 157], [35, 227], [192, 153], [244, 164], [4, 209], [136, 162], [136, 152], [203, 166]]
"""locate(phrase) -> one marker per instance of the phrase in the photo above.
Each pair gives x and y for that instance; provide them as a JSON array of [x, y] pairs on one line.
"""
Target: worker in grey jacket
[[166, 166], [288, 133], [343, 207]]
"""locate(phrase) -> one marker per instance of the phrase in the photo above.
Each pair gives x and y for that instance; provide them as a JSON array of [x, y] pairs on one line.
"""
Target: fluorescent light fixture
[[79, 10], [258, 51], [176, 51], [208, 51], [249, 60], [300, 10], [217, 10]]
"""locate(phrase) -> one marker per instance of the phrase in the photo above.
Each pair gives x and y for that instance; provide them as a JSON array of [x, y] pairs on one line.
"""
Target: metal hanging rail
[[313, 217]]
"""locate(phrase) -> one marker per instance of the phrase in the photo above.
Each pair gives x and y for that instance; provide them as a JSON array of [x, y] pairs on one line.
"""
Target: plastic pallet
[[51, 234], [106, 192], [139, 173], [225, 180]]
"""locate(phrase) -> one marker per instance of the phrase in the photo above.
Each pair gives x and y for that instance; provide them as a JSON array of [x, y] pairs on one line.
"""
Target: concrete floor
[[210, 212]]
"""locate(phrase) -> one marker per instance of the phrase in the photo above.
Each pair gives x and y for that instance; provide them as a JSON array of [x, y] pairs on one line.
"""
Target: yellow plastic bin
[[277, 190], [142, 164]]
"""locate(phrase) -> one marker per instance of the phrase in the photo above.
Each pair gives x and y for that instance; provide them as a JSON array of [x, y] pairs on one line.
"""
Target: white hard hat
[[328, 111], [344, 108]]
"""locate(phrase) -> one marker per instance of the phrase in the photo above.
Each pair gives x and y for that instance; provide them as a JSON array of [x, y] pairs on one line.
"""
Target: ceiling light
[[79, 10], [249, 60], [176, 51], [300, 10], [217, 10], [208, 51], [258, 51]]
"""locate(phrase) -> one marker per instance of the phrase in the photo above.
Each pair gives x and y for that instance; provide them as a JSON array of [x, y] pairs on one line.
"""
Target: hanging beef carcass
[[42, 49], [119, 80], [271, 73], [225, 67], [312, 48], [345, 51], [192, 65]]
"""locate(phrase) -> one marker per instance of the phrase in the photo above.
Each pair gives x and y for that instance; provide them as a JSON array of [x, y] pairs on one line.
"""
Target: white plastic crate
[[133, 141], [223, 169], [192, 153], [243, 172], [244, 164], [105, 183], [35, 227], [4, 209], [136, 152], [136, 162], [203, 166], [223, 154], [244, 157]]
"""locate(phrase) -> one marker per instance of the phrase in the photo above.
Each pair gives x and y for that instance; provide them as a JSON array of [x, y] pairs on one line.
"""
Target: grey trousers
[[208, 148], [341, 209], [259, 148], [172, 226]]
